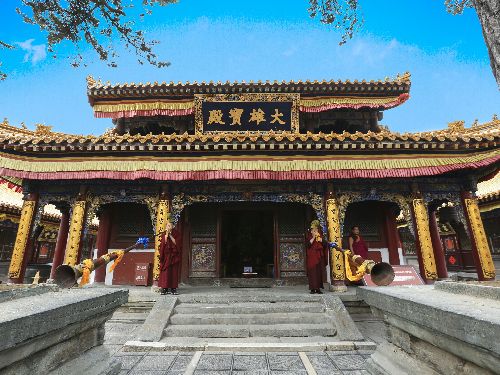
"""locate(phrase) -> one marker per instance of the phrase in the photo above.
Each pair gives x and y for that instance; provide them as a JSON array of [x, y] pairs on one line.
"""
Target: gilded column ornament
[[75, 233], [162, 217], [424, 238], [479, 237], [334, 235], [23, 232]]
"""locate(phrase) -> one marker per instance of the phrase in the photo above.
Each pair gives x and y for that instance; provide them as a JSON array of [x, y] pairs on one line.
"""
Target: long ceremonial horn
[[66, 276], [382, 273]]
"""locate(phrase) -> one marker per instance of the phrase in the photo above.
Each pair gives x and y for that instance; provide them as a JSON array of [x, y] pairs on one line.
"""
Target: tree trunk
[[488, 12]]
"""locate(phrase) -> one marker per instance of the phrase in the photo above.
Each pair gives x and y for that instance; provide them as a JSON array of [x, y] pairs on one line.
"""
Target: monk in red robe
[[357, 244], [170, 260], [317, 258]]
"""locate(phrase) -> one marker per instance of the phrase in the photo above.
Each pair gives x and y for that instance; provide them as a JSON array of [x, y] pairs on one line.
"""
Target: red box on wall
[[141, 276]]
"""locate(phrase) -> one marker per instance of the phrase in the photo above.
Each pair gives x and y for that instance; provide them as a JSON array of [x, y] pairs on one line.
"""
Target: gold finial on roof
[[91, 82], [23, 125], [495, 117], [475, 123], [43, 129], [457, 126], [404, 78], [5, 121]]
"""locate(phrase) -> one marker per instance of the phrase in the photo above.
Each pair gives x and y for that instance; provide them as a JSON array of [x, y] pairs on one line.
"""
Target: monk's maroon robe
[[170, 260], [317, 259]]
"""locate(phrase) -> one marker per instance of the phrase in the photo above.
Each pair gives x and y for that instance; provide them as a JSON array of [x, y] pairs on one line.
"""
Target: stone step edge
[[236, 346]]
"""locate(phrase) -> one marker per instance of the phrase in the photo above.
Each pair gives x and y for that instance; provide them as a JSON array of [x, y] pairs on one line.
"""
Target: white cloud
[[34, 52]]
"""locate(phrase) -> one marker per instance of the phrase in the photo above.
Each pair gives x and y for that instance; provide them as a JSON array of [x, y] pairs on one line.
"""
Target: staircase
[[243, 315]]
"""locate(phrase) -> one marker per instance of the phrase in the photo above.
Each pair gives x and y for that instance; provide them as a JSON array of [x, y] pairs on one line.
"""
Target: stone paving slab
[[237, 363]]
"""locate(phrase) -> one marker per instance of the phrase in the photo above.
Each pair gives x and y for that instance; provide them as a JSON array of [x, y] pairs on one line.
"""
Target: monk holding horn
[[317, 257], [170, 260]]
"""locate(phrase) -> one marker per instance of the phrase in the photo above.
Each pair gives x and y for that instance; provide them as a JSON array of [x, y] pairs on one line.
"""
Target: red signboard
[[142, 273], [404, 275]]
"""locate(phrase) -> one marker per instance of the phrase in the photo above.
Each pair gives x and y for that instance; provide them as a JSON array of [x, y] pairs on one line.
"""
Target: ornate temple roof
[[45, 155], [177, 99], [98, 89], [489, 191], [455, 137]]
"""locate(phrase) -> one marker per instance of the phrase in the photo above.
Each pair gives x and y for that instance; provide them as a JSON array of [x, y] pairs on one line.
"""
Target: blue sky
[[263, 39]]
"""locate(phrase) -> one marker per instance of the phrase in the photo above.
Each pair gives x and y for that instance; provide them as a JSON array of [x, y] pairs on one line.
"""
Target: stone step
[[249, 297], [257, 330], [252, 344], [248, 308], [120, 316], [134, 309], [245, 319]]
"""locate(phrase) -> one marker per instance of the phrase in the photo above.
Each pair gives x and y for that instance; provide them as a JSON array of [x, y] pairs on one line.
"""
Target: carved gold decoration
[[334, 235], [11, 217], [162, 217], [75, 233], [91, 82], [23, 232], [424, 238], [403, 78], [42, 130], [457, 126], [479, 237], [238, 98]]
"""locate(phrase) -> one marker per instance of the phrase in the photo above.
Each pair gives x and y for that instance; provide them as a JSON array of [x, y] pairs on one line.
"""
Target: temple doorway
[[221, 239], [247, 243]]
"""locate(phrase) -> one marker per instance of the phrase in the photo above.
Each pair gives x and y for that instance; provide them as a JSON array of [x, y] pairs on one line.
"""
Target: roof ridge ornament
[[42, 130], [456, 126], [91, 82], [404, 78]]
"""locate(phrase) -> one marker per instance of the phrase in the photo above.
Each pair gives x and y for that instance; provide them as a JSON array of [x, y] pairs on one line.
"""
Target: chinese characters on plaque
[[246, 116], [247, 113]]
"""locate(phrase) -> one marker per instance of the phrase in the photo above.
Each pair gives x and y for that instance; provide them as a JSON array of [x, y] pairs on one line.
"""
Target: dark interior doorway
[[247, 240]]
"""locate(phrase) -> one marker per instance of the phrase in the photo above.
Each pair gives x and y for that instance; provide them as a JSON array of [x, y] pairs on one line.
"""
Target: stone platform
[[449, 328], [48, 331]]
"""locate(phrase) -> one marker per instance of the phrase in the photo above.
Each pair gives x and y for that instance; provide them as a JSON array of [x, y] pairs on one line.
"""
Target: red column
[[391, 235], [62, 237], [437, 246], [102, 242]]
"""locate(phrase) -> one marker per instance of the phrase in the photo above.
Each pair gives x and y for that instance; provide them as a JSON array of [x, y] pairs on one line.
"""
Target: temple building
[[242, 168]]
